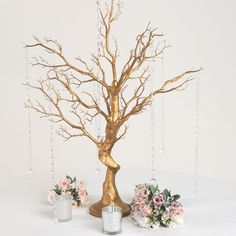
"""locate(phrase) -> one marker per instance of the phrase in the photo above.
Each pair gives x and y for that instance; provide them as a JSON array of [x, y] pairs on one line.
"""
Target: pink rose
[[144, 192], [82, 193], [145, 210], [176, 205], [158, 200], [176, 210], [65, 184], [80, 184], [139, 199], [141, 195], [51, 197], [74, 204]]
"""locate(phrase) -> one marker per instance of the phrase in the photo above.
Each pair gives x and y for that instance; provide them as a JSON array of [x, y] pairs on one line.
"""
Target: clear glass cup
[[112, 220], [63, 208]]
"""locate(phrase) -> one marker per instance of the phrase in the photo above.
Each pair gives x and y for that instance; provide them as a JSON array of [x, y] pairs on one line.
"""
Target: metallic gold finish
[[68, 79], [110, 196]]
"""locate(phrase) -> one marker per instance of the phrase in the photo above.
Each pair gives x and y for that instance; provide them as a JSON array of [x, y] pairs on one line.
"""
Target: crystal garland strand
[[52, 157], [98, 129], [196, 148], [97, 89], [153, 150], [152, 126], [51, 154], [29, 127], [52, 160], [51, 142], [162, 111]]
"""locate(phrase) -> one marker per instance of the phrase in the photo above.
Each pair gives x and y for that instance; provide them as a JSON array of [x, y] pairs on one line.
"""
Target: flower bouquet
[[151, 207], [73, 187]]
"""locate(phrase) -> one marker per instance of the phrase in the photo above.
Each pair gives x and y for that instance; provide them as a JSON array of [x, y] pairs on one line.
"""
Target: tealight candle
[[112, 220], [63, 208]]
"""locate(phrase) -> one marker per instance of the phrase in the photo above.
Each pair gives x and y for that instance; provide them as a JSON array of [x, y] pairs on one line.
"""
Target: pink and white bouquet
[[151, 207], [73, 187]]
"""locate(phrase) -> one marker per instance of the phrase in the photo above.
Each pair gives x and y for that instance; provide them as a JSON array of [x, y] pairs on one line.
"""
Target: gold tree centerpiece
[[69, 98]]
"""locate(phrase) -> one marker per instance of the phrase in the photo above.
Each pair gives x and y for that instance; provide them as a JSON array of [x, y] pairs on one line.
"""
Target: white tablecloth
[[24, 210]]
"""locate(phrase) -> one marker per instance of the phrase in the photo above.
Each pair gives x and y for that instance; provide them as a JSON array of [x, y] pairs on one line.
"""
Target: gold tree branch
[[64, 133], [139, 55], [143, 78], [142, 102], [164, 89], [67, 86], [123, 134], [106, 99], [107, 19], [59, 114], [71, 77], [66, 64]]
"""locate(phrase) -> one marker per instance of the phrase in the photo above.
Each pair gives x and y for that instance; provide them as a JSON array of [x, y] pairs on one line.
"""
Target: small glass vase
[[112, 220], [63, 208]]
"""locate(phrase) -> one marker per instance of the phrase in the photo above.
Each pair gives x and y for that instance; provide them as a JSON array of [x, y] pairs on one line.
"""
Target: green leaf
[[167, 204], [176, 197], [68, 177], [157, 187], [163, 208], [57, 186], [153, 189], [166, 193], [57, 191]]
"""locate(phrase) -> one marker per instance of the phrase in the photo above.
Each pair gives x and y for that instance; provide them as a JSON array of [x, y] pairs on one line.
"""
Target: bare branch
[[123, 134], [143, 78], [66, 81], [68, 87], [64, 133], [107, 19], [141, 53], [66, 64], [142, 102], [59, 113], [164, 89]]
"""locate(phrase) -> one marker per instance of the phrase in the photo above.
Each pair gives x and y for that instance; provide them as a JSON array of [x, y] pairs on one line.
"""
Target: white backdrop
[[201, 33]]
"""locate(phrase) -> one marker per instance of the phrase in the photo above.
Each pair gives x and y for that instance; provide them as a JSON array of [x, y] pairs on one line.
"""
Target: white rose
[[178, 219], [140, 221]]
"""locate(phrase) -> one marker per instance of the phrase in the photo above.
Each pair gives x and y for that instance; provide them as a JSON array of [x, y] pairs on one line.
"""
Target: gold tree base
[[96, 208], [110, 194]]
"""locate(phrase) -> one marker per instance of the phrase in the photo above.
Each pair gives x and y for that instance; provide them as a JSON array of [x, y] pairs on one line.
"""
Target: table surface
[[25, 211]]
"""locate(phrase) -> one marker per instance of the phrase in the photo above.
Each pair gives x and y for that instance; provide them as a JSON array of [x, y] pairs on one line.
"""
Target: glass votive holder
[[63, 208], [112, 220]]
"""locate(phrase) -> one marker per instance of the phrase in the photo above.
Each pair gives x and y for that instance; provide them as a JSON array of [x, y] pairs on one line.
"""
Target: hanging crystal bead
[[196, 148], [97, 91], [152, 122], [29, 125], [162, 112], [51, 141]]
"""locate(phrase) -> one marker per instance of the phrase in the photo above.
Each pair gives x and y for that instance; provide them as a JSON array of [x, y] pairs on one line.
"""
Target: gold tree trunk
[[110, 194]]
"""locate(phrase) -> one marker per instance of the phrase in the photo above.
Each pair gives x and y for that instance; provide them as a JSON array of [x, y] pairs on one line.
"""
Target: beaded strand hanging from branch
[[196, 132], [29, 125], [96, 87]]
